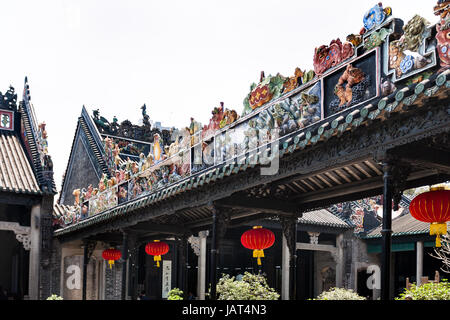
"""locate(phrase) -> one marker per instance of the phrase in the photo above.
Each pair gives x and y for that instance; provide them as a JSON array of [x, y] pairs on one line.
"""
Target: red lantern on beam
[[433, 207], [111, 255], [258, 239], [157, 249]]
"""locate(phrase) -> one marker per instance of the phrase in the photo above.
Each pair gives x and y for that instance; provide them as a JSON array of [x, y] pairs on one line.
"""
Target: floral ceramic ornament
[[354, 39], [269, 88], [443, 33], [413, 33], [442, 9], [396, 56], [293, 82], [407, 64], [214, 122], [326, 57], [376, 38], [376, 16], [443, 46]]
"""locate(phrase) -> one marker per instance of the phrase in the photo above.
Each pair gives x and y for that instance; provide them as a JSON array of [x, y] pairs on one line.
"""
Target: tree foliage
[[175, 294], [339, 294], [427, 291], [250, 287]]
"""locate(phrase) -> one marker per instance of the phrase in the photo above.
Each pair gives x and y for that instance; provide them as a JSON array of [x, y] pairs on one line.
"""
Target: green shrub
[[427, 291], [175, 294], [55, 297], [250, 287], [339, 294]]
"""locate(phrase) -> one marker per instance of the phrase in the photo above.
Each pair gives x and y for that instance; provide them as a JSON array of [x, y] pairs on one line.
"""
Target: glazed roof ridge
[[391, 103], [46, 183]]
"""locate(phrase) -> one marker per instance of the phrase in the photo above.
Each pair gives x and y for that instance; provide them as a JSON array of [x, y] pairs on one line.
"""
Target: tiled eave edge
[[25, 192], [396, 234], [311, 135]]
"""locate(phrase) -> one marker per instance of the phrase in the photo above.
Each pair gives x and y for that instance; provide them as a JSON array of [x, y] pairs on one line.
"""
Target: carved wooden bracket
[[22, 233], [288, 225], [91, 244], [195, 244]]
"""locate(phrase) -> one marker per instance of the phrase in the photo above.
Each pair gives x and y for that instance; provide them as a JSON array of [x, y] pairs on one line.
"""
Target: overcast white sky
[[181, 58]]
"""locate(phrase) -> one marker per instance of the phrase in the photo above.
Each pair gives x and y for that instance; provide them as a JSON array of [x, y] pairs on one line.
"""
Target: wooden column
[[88, 249], [85, 264], [124, 265], [386, 232], [339, 260], [201, 271], [133, 266], [419, 262], [182, 271], [285, 256], [213, 253], [220, 221], [289, 226], [35, 241]]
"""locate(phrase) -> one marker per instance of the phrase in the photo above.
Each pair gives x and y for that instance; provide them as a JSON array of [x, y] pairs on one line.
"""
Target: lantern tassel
[[438, 229], [258, 254], [110, 262], [157, 259]]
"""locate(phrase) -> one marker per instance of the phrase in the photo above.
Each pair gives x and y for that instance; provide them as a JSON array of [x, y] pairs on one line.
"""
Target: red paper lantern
[[157, 249], [111, 255], [433, 207], [258, 239]]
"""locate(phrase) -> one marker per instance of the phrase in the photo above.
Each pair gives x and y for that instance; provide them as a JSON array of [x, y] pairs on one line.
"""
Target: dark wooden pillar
[[213, 261], [289, 227], [182, 270], [124, 265], [133, 265], [88, 249], [386, 232], [220, 221]]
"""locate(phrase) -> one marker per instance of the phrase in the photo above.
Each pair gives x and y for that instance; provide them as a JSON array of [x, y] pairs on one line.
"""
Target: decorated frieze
[[413, 52], [386, 55]]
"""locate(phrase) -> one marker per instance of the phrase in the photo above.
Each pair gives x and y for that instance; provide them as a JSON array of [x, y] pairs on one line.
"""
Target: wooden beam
[[268, 205], [149, 227], [355, 187], [19, 198], [315, 247], [426, 156]]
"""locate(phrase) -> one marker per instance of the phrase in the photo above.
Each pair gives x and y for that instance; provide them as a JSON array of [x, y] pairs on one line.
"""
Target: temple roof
[[401, 226], [323, 217], [25, 165], [16, 173], [86, 127]]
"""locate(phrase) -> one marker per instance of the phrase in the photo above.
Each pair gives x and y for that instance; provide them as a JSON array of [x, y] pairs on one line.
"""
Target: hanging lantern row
[[258, 239], [111, 255], [157, 249], [433, 207]]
